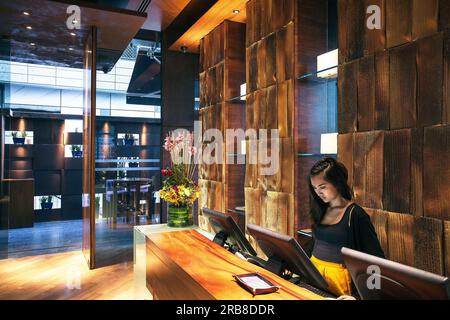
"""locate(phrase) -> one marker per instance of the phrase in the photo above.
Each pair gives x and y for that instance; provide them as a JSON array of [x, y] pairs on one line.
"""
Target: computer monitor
[[227, 231], [394, 281], [284, 252]]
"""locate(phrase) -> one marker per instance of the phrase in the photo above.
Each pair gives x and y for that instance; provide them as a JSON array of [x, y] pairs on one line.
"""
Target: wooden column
[[222, 71]]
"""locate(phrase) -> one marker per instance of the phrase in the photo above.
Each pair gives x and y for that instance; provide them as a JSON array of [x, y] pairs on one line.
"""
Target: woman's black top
[[331, 238], [361, 235]]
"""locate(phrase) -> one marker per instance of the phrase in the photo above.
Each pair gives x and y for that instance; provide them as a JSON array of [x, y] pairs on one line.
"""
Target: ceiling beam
[[194, 10]]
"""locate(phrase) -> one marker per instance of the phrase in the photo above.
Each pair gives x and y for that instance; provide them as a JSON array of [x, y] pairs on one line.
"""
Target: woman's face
[[325, 190]]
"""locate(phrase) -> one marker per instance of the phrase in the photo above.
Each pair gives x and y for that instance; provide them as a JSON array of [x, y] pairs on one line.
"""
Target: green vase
[[179, 217]]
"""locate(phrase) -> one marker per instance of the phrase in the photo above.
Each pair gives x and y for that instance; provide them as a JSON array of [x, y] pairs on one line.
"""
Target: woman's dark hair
[[336, 174]]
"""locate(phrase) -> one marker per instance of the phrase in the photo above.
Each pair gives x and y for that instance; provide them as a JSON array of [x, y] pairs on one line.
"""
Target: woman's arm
[[366, 237]]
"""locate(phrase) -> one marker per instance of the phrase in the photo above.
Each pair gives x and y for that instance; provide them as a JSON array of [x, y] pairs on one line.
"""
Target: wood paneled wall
[[222, 71], [394, 126]]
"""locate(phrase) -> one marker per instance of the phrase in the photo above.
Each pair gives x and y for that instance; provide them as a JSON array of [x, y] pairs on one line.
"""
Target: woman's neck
[[339, 202]]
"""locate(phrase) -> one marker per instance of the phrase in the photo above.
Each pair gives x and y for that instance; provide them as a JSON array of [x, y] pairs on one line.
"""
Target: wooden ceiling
[[220, 11], [53, 42]]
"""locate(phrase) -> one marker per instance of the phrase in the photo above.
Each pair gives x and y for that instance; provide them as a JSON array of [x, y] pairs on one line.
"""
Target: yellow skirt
[[336, 275]]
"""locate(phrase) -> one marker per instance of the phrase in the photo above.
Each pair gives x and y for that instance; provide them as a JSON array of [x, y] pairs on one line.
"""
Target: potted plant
[[76, 151], [179, 189], [129, 139], [46, 202], [19, 139]]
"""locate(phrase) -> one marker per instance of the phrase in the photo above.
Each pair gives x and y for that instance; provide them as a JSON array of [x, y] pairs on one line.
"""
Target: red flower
[[175, 188], [169, 172], [164, 172]]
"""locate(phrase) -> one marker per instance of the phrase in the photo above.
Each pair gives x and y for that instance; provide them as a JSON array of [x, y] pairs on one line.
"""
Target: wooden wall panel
[[271, 61], [436, 160], [343, 30], [403, 86], [446, 70], [444, 14], [397, 166], [261, 58], [417, 173], [366, 94], [359, 167], [348, 97], [252, 68], [400, 238], [381, 121], [355, 29], [428, 246], [375, 40], [447, 247], [253, 206], [425, 18], [374, 169], [285, 108], [398, 22], [379, 220], [285, 53], [430, 80], [345, 153]]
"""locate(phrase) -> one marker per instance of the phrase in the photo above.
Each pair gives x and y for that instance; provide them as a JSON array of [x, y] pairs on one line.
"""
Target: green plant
[[76, 147], [46, 199], [23, 134]]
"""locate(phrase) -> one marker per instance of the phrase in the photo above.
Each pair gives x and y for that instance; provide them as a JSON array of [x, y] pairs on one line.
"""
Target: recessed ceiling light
[[73, 34], [32, 44], [236, 11], [26, 13], [29, 27], [70, 49]]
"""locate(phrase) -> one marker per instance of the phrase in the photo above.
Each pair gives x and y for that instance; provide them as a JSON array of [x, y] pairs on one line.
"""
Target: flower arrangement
[[179, 189]]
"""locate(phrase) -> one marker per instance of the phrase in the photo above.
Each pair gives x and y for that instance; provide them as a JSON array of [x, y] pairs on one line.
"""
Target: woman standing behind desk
[[337, 222]]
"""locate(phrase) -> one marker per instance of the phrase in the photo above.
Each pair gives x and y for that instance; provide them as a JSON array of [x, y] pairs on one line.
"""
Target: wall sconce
[[328, 143], [327, 64]]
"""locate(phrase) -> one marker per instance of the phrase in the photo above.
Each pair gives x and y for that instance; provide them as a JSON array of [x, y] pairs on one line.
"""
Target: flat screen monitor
[[284, 252], [227, 231], [380, 279]]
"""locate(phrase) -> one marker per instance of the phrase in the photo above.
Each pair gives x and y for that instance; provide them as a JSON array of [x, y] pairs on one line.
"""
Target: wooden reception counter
[[185, 265]]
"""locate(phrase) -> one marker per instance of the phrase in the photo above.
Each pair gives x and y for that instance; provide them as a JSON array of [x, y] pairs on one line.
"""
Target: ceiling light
[[32, 44], [71, 49], [26, 13], [29, 27], [73, 34], [236, 11]]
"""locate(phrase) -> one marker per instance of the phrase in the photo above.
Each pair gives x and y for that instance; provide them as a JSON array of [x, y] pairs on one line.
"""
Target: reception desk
[[186, 265]]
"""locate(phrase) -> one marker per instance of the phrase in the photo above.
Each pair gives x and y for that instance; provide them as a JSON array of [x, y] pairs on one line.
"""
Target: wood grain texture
[[375, 40], [400, 238], [366, 94], [252, 68], [398, 22], [285, 108], [381, 121], [355, 26], [425, 15], [379, 220], [343, 30], [403, 87], [417, 171], [447, 247], [444, 15], [345, 153], [285, 52], [253, 205], [261, 61], [348, 97], [368, 168], [271, 60], [397, 171], [428, 246], [446, 70], [430, 80], [437, 172], [208, 269], [47, 278]]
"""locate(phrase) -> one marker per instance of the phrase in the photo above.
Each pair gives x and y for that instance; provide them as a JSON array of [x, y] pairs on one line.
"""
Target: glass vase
[[179, 217]]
